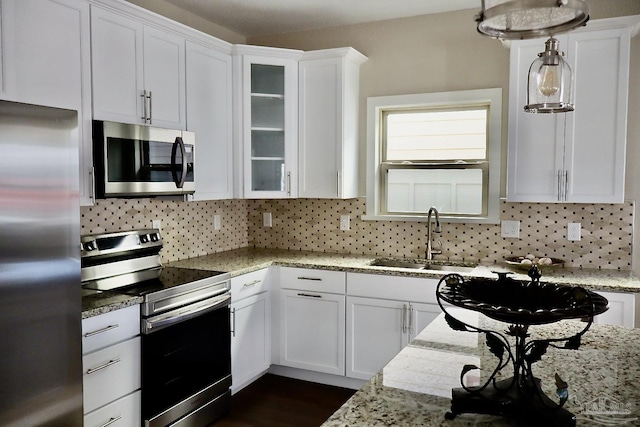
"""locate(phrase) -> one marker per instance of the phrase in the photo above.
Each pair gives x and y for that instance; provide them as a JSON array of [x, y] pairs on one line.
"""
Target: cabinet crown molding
[[346, 52]]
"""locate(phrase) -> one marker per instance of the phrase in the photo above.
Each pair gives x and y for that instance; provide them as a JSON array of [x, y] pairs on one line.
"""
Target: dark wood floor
[[274, 401]]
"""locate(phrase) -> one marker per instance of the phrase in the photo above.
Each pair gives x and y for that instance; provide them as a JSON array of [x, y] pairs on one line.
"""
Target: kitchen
[[190, 229]]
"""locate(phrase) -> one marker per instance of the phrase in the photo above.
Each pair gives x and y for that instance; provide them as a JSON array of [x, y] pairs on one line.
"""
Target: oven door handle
[[181, 314]]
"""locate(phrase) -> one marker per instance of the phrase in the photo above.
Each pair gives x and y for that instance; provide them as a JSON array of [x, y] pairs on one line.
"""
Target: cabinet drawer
[[392, 287], [307, 279], [110, 373], [123, 412], [110, 328], [249, 284]]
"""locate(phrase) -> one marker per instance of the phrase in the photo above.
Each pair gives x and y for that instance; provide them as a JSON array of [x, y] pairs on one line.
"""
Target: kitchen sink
[[397, 264], [424, 265]]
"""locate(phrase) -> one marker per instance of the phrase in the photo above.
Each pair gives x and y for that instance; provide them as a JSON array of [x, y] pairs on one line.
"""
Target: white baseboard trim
[[317, 377]]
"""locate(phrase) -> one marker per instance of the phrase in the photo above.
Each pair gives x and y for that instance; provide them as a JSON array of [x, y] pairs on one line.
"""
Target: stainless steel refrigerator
[[40, 301]]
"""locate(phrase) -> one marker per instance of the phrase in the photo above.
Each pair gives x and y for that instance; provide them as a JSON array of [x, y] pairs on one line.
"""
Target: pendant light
[[525, 19], [549, 82]]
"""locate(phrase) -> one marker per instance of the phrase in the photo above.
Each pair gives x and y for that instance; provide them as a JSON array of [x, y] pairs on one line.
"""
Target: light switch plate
[[156, 223], [217, 222], [345, 222], [574, 231], [266, 219], [510, 228]]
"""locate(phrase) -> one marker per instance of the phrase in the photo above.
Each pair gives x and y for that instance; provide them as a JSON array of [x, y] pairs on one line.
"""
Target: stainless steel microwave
[[134, 160]]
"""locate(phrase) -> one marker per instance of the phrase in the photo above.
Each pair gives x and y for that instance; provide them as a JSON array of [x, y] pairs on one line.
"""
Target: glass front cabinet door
[[270, 124]]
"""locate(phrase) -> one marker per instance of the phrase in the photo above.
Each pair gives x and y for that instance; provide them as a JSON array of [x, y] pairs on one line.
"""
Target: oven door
[[186, 365], [141, 160]]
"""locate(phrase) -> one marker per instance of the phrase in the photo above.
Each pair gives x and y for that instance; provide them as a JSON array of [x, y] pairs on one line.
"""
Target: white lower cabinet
[[384, 313], [621, 310], [124, 412], [312, 320], [378, 329], [111, 368], [250, 328]]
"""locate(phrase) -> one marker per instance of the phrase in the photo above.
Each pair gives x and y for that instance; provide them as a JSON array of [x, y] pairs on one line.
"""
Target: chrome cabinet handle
[[112, 420], [404, 318], [559, 186], [410, 319], [100, 331], [150, 108], [92, 175], [317, 279], [248, 285], [288, 183], [309, 295], [233, 322], [144, 105], [101, 367], [566, 184]]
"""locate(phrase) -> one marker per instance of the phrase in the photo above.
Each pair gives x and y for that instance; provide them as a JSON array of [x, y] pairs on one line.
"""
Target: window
[[440, 149]]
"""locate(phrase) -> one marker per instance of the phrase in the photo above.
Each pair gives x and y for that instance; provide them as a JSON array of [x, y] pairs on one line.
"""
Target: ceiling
[[261, 17]]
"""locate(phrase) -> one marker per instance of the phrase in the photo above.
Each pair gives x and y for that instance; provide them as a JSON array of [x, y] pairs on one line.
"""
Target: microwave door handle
[[183, 176]]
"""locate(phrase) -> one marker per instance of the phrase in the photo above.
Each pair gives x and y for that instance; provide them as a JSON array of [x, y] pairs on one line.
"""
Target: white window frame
[[377, 105]]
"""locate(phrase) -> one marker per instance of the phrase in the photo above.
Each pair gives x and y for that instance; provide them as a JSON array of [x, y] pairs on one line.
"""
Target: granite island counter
[[414, 388]]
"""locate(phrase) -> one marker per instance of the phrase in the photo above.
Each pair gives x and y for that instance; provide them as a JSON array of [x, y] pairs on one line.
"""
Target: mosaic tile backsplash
[[314, 225]]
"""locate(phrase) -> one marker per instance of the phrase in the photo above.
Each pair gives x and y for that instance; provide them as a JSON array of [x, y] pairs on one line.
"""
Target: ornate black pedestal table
[[520, 304]]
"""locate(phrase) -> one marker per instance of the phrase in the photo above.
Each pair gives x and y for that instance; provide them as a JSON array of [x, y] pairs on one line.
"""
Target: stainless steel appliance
[[186, 333], [40, 300], [134, 160]]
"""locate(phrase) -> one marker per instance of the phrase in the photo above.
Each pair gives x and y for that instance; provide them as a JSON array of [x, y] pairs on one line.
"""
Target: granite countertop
[[246, 260], [414, 388]]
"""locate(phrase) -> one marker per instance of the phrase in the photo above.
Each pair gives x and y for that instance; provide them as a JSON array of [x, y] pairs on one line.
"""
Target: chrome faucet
[[430, 250]]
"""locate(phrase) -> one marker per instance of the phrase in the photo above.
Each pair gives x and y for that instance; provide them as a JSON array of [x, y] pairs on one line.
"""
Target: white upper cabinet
[[576, 157], [45, 60], [138, 71], [209, 115], [267, 121], [328, 123]]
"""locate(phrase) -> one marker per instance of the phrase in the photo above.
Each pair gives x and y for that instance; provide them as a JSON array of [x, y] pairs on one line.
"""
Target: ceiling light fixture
[[549, 82], [525, 19]]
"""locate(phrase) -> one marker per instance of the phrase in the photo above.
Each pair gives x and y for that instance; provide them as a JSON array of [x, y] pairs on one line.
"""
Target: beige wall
[[167, 9]]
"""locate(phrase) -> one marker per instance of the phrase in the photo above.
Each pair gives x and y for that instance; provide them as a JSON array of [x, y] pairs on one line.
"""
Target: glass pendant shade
[[524, 19], [549, 82]]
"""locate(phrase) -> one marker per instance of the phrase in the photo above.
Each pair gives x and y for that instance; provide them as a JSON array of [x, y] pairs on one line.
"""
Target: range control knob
[[90, 246], [144, 238], [155, 237]]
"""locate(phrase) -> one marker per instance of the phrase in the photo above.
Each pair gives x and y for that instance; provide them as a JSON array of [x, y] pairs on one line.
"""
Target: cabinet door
[[421, 316], [164, 78], [270, 126], [376, 332], [328, 123], [621, 309], [209, 115], [536, 141], [251, 339], [46, 61], [117, 67], [312, 328], [597, 129]]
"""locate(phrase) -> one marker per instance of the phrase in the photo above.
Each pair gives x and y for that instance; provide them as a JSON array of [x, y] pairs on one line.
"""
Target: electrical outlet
[[266, 219], [156, 223], [510, 229], [217, 222], [573, 231], [345, 222]]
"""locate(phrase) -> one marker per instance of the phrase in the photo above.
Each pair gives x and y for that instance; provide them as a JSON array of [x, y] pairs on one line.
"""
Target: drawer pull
[[99, 331], [112, 420], [248, 285], [317, 279], [106, 365], [309, 295]]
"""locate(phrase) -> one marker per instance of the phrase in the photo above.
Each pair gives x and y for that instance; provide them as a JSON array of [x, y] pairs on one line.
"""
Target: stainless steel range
[[186, 339]]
